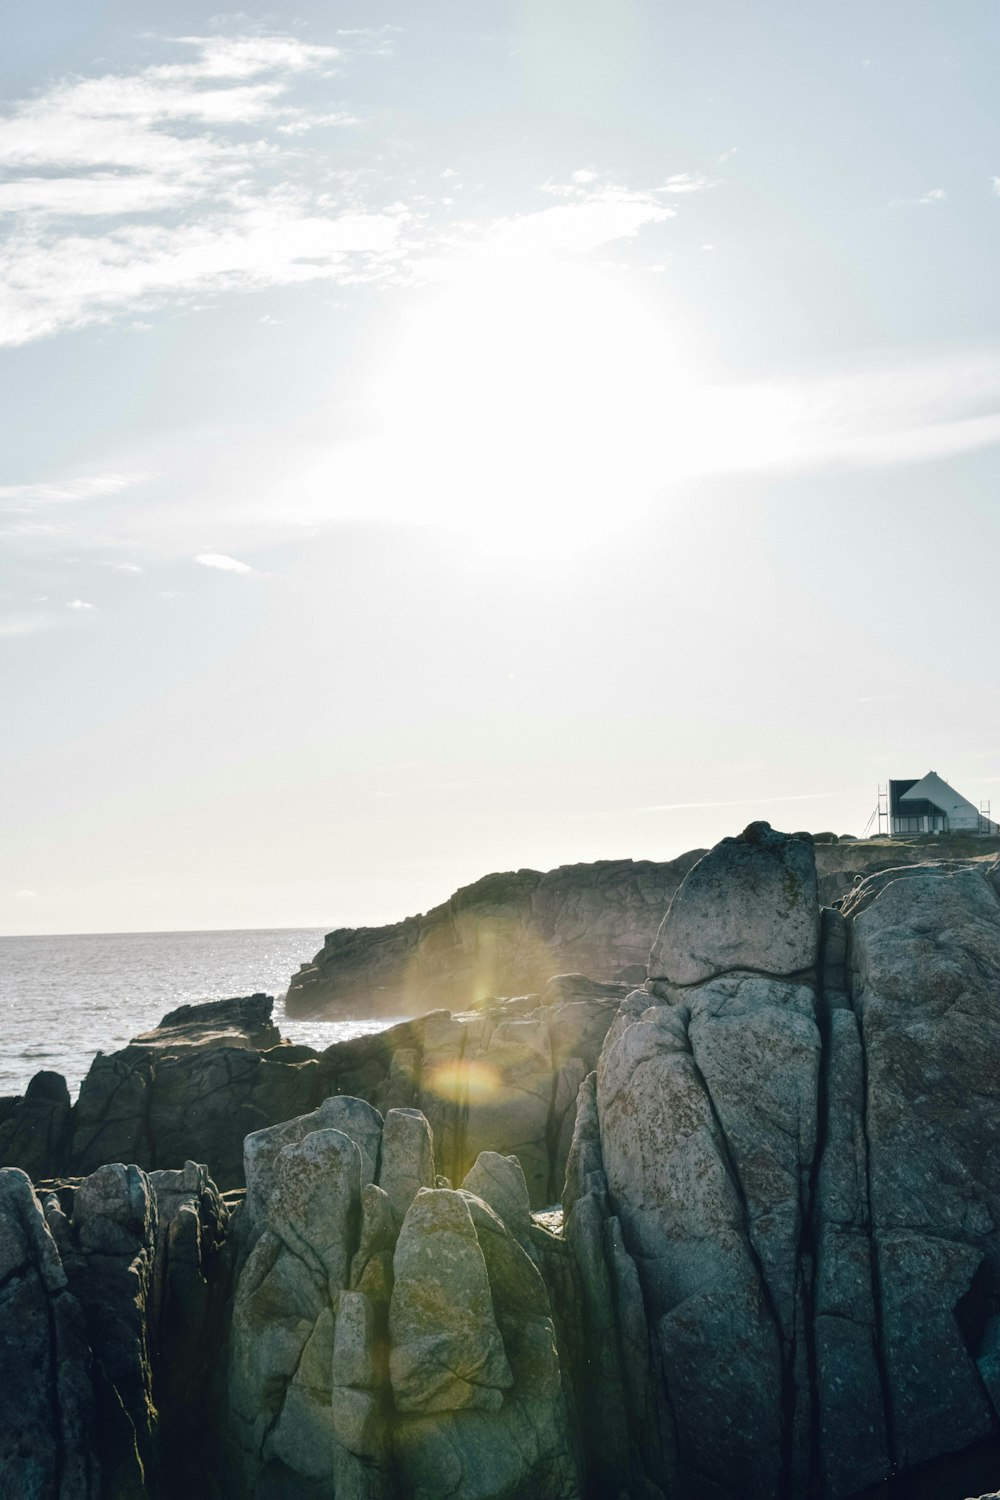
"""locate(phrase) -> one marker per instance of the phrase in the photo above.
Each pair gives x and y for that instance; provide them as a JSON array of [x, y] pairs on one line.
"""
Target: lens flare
[[467, 1082]]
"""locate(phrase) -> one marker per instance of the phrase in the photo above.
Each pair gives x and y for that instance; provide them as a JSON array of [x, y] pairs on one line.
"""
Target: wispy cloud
[[50, 492], [134, 190], [130, 189], [925, 200], [593, 220], [223, 563], [78, 604], [24, 622]]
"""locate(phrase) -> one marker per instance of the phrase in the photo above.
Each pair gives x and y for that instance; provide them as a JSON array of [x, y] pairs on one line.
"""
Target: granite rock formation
[[504, 1078], [775, 1273], [799, 1158], [507, 933], [504, 935], [388, 1336], [111, 1292]]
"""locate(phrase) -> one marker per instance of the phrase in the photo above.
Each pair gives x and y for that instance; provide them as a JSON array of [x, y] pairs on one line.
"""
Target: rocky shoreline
[[733, 1231], [508, 933]]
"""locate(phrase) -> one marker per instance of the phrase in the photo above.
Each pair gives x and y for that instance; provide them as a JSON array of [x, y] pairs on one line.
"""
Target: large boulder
[[34, 1130], [925, 974], [750, 903], [446, 1349], [503, 1077], [802, 1156], [191, 1089]]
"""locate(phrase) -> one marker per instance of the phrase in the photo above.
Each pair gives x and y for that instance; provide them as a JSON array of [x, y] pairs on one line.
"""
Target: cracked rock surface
[[775, 1274], [803, 1158]]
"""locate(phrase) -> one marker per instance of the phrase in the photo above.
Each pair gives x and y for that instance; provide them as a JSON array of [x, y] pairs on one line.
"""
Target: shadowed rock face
[[780, 1275], [802, 1157], [505, 935], [111, 1292], [504, 1077]]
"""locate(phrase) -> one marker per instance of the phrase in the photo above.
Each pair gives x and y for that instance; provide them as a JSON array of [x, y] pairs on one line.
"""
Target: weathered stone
[[314, 1202], [505, 935], [355, 1351], [191, 1089], [750, 903], [926, 976], [756, 1045], [446, 1351], [352, 1117], [110, 1272], [479, 1455], [377, 1240], [407, 1163], [48, 1440], [670, 1178], [499, 1181], [244, 1021], [34, 1133]]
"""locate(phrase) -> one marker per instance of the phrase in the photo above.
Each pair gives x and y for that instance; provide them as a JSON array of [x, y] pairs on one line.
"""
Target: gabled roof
[[933, 788]]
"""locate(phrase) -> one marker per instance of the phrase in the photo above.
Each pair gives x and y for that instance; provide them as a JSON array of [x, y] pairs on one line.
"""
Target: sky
[[466, 436]]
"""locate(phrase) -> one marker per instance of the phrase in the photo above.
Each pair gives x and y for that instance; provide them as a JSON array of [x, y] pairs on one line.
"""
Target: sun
[[536, 401], [529, 395]]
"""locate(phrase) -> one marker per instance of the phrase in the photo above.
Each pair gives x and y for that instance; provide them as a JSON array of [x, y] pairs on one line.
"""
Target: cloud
[[594, 219], [223, 563], [129, 190], [685, 182], [247, 57], [24, 623], [25, 895], [78, 604], [89, 487], [932, 196], [123, 567]]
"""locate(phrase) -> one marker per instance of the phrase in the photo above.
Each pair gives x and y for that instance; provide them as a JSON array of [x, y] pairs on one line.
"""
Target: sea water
[[64, 998]]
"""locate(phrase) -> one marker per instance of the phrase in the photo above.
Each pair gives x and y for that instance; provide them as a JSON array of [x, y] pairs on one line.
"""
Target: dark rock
[[34, 1130], [504, 935], [48, 1428], [244, 1020], [191, 1089]]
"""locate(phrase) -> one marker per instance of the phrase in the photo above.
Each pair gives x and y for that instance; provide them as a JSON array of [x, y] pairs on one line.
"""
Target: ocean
[[62, 999]]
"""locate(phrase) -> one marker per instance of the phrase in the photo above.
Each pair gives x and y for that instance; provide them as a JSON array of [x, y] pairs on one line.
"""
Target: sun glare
[[533, 400], [529, 395]]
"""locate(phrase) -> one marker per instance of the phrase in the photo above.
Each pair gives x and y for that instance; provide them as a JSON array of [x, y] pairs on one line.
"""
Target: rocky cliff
[[504, 935], [775, 1272], [507, 933]]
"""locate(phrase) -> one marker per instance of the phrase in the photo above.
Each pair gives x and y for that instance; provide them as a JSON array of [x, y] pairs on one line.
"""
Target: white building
[[930, 805]]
